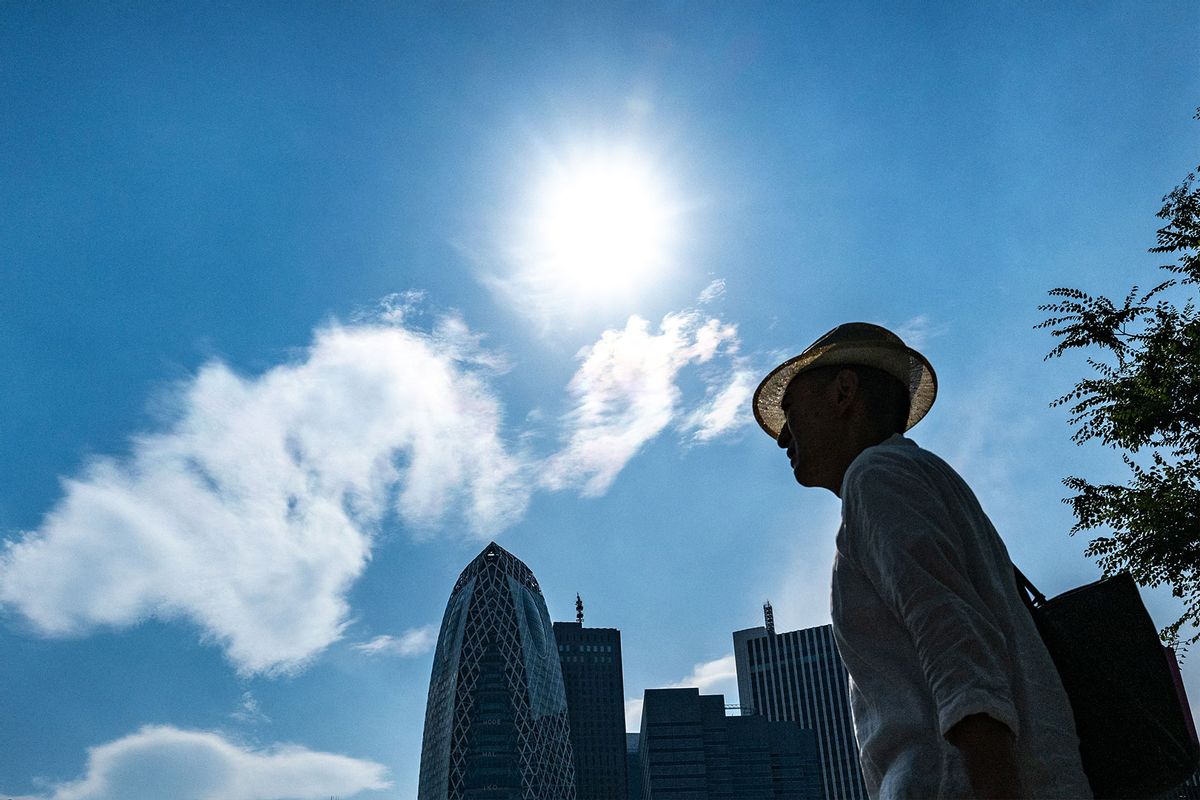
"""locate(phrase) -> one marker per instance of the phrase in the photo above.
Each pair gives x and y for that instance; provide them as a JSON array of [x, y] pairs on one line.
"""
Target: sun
[[601, 228]]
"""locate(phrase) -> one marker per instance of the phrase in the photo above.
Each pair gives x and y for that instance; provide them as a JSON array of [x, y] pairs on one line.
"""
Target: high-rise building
[[689, 750], [591, 668], [799, 676], [496, 720]]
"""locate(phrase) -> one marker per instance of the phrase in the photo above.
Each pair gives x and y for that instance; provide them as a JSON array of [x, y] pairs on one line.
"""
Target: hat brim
[[903, 363]]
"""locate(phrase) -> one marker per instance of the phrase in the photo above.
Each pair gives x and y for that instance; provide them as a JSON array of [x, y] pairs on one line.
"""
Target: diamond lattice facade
[[496, 725]]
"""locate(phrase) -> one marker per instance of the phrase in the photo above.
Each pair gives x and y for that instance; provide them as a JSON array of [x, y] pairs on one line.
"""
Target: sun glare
[[602, 227]]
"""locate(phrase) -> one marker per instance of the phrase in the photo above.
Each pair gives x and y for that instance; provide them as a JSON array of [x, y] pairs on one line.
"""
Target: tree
[[1145, 395]]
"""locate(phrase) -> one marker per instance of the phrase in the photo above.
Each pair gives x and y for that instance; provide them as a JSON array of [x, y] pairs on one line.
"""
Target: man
[[952, 691]]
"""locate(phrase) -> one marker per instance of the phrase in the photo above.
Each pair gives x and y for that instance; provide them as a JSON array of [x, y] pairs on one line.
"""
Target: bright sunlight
[[600, 230]]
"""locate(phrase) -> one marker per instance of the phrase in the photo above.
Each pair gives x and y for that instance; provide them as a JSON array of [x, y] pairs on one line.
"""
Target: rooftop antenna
[[578, 609], [769, 617]]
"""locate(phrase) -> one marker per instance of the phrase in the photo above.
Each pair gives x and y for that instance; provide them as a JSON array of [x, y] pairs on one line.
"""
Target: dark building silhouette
[[633, 767], [496, 720], [1189, 790], [799, 676], [591, 669], [689, 750]]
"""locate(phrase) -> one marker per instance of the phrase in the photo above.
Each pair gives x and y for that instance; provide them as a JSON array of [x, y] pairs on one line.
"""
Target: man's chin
[[802, 479]]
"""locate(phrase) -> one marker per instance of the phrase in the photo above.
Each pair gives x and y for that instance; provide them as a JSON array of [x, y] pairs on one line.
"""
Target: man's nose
[[785, 437]]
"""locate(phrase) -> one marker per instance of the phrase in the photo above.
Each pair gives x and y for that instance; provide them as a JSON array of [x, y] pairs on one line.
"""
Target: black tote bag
[[1136, 735]]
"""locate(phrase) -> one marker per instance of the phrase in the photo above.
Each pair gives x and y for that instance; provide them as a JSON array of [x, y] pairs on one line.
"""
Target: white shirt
[[928, 620]]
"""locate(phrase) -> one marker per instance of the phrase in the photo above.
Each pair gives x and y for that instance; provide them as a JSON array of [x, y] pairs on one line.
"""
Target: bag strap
[[1027, 590]]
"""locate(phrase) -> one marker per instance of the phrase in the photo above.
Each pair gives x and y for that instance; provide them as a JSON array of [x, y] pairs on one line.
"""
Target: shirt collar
[[897, 439]]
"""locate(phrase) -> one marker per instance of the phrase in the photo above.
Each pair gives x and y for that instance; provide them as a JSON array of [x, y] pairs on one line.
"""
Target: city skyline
[[302, 306]]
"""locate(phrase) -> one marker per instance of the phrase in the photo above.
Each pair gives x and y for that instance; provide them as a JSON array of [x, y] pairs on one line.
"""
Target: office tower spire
[[496, 720]]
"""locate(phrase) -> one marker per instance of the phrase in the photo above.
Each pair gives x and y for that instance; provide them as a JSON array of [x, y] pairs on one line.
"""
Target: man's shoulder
[[895, 452], [897, 461]]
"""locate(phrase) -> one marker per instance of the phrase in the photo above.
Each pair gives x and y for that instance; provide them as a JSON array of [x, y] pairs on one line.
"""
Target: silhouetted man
[[952, 690]]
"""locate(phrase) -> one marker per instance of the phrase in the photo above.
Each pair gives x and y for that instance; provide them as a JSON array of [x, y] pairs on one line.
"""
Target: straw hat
[[851, 343]]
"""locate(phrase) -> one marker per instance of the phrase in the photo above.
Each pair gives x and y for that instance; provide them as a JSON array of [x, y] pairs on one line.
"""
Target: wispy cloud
[[160, 761], [253, 512], [718, 676], [713, 292], [248, 711], [626, 393], [919, 331], [725, 409], [413, 642]]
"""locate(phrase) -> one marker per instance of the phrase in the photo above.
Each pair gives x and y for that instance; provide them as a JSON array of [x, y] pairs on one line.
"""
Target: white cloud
[[714, 291], [709, 675], [725, 409], [413, 642], [633, 714], [161, 762], [626, 393], [718, 676], [252, 513]]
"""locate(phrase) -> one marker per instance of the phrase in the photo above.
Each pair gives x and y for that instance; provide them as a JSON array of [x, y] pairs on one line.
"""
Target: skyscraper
[[591, 666], [799, 675], [496, 720], [689, 750]]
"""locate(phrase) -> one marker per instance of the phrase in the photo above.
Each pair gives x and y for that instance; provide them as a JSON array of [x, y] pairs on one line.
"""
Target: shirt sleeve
[[908, 545]]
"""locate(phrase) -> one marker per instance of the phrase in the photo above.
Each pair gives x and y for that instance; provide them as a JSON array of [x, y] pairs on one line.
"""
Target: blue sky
[[300, 304]]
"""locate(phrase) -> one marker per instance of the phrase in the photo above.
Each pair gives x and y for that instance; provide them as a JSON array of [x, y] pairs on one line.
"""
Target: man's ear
[[845, 389]]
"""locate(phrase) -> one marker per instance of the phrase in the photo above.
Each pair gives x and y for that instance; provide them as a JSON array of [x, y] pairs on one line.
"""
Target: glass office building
[[799, 676], [496, 725]]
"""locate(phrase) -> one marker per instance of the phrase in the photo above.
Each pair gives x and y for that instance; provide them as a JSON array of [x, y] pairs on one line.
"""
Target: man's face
[[807, 405]]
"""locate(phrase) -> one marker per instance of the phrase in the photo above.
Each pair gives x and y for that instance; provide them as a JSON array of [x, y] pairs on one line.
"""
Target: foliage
[[1147, 395]]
